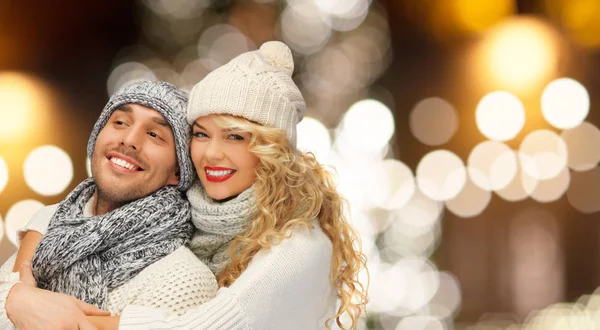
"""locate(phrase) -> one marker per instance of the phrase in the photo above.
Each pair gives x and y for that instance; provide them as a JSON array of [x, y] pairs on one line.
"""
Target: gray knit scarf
[[217, 224], [85, 256]]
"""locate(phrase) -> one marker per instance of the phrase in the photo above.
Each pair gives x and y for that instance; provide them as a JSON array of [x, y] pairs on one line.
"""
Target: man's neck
[[103, 206]]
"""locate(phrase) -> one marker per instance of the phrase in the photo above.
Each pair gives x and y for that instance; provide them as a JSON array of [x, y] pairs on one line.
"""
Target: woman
[[283, 252]]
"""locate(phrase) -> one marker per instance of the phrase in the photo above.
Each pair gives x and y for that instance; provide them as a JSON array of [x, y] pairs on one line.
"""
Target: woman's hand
[[30, 308]]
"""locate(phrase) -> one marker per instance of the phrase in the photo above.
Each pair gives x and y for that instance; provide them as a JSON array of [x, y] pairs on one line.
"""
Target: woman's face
[[221, 158]]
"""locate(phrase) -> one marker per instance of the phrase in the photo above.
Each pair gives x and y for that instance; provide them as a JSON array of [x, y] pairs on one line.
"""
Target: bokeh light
[[565, 103], [88, 166], [418, 216], [478, 15], [500, 116], [492, 165], [313, 136], [3, 174], [448, 298], [537, 270], [583, 145], [221, 43], [580, 18], [23, 98], [126, 73], [368, 125], [420, 323], [543, 154], [303, 28], [520, 187], [18, 216], [584, 191], [470, 202], [552, 189], [441, 175], [433, 121], [392, 185], [520, 53], [1, 228], [48, 170]]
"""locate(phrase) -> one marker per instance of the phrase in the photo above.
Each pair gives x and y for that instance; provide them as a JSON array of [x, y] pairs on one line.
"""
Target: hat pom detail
[[278, 54]]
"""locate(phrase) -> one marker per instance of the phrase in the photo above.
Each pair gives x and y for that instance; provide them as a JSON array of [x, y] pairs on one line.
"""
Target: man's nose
[[132, 138]]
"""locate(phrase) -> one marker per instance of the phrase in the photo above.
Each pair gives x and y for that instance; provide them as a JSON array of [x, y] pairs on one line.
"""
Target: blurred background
[[464, 133]]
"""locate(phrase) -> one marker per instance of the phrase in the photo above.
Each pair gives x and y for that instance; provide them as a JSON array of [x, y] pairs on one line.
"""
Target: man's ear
[[173, 179]]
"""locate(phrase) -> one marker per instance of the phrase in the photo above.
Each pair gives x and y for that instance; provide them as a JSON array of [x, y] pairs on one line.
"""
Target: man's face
[[134, 155]]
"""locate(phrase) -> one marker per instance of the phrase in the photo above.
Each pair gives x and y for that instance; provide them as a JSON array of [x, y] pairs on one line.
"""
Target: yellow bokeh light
[[519, 54], [21, 98], [478, 15], [500, 116], [581, 18]]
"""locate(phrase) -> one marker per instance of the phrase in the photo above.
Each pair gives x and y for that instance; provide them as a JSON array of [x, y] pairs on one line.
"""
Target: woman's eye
[[235, 137], [199, 134]]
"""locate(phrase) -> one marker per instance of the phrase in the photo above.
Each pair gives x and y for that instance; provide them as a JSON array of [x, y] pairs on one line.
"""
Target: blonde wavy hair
[[292, 188]]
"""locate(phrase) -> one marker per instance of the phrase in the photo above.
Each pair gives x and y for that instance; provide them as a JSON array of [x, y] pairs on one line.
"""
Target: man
[[129, 215]]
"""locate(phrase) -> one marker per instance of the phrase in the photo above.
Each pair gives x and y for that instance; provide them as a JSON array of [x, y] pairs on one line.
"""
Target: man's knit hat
[[170, 102], [256, 85]]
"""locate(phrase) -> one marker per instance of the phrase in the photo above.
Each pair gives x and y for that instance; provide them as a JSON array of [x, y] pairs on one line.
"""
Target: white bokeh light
[[303, 28], [543, 154], [128, 72], [313, 136], [565, 103], [433, 121], [418, 216], [3, 174], [550, 190], [521, 187], [448, 297], [393, 185], [48, 170], [500, 116], [420, 322], [492, 165], [583, 144], [441, 175], [470, 202], [18, 215], [368, 125], [88, 166]]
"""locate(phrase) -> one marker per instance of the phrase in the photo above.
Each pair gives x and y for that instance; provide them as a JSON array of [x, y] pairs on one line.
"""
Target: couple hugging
[[200, 214]]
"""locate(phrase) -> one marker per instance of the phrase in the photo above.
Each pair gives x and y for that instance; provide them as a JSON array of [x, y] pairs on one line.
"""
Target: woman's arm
[[29, 243], [285, 287]]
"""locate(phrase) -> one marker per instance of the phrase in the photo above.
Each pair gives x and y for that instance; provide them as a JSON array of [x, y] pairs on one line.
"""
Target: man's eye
[[154, 135], [119, 123]]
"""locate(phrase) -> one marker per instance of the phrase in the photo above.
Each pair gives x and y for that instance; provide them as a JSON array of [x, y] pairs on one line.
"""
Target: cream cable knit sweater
[[175, 283], [286, 287]]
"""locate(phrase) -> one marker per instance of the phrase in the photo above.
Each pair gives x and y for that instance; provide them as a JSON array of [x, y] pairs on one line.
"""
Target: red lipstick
[[218, 178]]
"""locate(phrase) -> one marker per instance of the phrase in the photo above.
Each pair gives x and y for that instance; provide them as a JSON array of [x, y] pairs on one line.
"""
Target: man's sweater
[[175, 283]]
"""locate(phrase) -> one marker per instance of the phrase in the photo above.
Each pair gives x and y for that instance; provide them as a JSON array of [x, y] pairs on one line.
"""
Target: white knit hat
[[256, 85]]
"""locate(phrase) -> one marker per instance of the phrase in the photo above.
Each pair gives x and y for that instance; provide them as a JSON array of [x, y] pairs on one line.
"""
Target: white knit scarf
[[217, 224], [85, 256]]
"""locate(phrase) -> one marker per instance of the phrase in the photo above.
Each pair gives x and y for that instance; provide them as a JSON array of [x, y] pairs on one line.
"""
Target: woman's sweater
[[175, 283], [285, 287]]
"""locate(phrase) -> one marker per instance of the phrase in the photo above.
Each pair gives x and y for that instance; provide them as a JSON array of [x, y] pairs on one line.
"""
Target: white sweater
[[286, 287], [175, 283]]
